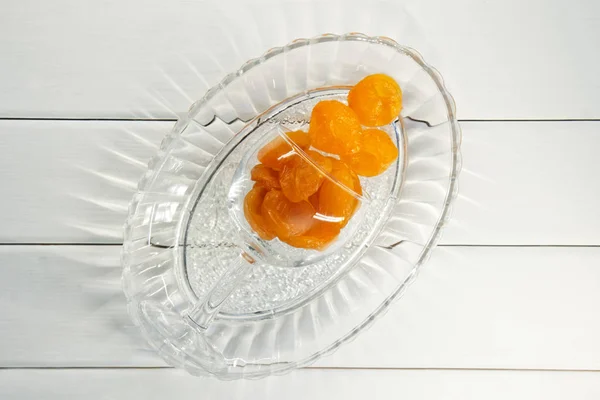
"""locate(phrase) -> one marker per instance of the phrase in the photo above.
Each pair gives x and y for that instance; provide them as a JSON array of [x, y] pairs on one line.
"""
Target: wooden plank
[[67, 181], [71, 314], [527, 184], [302, 384], [500, 59], [522, 182], [471, 307], [484, 307]]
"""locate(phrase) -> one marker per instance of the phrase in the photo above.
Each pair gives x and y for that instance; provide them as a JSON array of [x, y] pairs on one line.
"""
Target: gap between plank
[[8, 244], [521, 245], [175, 119], [329, 368], [455, 369], [88, 119], [533, 120]]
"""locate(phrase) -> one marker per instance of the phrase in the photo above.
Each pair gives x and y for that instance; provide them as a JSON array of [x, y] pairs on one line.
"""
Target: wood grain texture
[[72, 181], [300, 385], [471, 307], [528, 184], [107, 59], [523, 183]]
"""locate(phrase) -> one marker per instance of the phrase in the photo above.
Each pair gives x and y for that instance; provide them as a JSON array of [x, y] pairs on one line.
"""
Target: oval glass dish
[[180, 243]]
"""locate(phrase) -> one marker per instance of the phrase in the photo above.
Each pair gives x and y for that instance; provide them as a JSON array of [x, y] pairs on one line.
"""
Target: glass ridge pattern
[[241, 345]]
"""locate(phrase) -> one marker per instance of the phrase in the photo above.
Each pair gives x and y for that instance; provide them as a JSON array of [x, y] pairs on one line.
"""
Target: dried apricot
[[377, 152], [265, 176], [252, 211], [314, 200], [357, 187], [318, 237], [277, 152], [334, 128], [337, 204], [300, 179], [284, 217], [376, 100]]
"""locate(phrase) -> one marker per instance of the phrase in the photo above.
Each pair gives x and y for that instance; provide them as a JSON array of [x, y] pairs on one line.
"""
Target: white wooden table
[[507, 308]]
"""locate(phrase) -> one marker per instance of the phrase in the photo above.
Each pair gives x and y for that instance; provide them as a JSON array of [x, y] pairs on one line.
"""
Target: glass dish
[[200, 295]]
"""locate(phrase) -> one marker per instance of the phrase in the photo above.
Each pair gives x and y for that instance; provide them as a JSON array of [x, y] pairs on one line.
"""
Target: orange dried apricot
[[376, 100], [377, 152], [336, 204], [334, 128], [252, 211], [357, 187], [277, 152], [284, 217], [314, 200], [265, 176], [300, 179], [318, 237]]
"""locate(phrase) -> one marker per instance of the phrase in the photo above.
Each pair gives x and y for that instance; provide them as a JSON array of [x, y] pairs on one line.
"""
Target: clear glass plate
[[179, 239]]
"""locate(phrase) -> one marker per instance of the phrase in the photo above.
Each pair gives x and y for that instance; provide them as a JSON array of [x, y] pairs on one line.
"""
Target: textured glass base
[[178, 239], [211, 241]]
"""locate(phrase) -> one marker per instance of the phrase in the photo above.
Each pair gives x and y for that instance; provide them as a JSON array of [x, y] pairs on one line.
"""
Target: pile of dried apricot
[[306, 184]]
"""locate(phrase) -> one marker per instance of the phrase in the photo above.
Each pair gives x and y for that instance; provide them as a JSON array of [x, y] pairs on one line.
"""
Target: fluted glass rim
[[158, 162]]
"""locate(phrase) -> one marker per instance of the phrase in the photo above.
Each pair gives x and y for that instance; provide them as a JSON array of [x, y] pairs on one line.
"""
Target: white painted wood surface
[[471, 307], [145, 58], [483, 321], [301, 385], [71, 181], [522, 182]]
